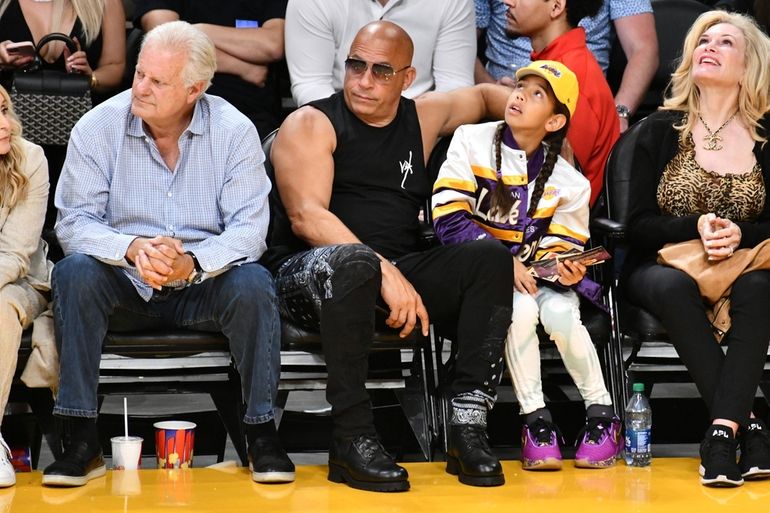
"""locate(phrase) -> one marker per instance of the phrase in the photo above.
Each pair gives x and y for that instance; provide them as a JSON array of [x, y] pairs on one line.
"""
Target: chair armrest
[[608, 227]]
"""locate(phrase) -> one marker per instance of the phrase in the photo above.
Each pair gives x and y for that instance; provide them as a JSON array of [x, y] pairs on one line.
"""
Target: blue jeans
[[90, 296]]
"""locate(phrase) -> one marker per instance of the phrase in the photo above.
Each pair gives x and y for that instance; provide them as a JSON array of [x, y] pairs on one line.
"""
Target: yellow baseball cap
[[563, 81]]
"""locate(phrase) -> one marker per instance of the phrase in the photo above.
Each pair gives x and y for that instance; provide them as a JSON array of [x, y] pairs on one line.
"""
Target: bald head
[[387, 32]]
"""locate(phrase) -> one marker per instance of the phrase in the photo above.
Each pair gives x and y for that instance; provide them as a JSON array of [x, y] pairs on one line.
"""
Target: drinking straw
[[125, 416]]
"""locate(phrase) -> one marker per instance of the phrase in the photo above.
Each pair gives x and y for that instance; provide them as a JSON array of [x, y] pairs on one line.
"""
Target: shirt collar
[[572, 40], [197, 124], [534, 163]]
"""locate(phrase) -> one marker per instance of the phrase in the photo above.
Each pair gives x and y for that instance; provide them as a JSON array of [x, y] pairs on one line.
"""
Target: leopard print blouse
[[686, 189]]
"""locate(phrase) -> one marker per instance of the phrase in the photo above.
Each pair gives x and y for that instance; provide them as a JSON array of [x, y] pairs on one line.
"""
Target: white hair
[[200, 53]]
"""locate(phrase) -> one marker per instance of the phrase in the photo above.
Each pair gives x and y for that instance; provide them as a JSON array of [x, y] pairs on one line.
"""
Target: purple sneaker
[[600, 443], [540, 446]]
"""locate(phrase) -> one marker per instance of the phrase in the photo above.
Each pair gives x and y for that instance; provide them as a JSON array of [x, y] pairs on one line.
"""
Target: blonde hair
[[89, 12], [13, 184], [200, 53], [754, 95]]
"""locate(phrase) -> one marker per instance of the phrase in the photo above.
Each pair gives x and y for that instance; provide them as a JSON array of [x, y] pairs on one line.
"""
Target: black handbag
[[50, 102]]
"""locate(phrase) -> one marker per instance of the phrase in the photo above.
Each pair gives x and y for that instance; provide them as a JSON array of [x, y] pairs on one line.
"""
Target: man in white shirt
[[319, 33]]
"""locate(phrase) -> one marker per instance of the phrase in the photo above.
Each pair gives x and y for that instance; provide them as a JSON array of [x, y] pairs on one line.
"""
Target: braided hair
[[501, 200]]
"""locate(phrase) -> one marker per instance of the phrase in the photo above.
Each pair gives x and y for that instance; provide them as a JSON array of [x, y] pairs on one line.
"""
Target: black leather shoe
[[80, 463], [363, 463], [269, 462], [470, 458]]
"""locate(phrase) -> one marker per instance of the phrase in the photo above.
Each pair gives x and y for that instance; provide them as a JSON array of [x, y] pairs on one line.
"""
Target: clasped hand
[[720, 237], [159, 260]]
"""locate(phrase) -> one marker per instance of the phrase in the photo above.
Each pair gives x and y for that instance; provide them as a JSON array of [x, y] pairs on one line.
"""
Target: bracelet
[[94, 81]]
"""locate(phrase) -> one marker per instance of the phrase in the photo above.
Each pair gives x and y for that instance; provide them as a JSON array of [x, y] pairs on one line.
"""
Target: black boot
[[268, 460], [82, 459], [470, 458], [363, 463]]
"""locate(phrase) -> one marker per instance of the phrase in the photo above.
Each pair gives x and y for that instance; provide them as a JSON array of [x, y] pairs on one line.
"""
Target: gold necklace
[[713, 138]]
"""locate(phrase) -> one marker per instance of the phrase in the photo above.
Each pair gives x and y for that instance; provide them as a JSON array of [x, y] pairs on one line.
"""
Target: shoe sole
[[6, 484], [586, 463], [756, 473], [69, 481], [271, 477], [721, 481], [453, 468], [546, 464], [338, 474]]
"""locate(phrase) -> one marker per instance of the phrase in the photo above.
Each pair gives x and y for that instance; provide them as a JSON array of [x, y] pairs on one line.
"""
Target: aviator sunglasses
[[381, 72]]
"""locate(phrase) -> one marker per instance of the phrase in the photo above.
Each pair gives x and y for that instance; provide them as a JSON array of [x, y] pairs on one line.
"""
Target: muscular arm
[[240, 51], [112, 61], [441, 113], [640, 44], [304, 172], [261, 45]]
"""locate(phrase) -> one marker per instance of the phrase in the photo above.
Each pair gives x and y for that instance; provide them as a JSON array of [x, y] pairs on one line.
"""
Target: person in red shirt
[[553, 28]]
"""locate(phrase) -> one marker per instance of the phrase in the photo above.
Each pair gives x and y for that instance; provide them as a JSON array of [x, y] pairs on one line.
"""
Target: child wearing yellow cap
[[508, 181]]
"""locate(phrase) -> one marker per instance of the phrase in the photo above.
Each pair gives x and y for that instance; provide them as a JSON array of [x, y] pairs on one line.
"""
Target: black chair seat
[[641, 323]]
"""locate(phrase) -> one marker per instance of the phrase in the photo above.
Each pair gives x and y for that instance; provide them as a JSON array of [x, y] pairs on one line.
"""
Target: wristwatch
[[197, 273], [623, 111]]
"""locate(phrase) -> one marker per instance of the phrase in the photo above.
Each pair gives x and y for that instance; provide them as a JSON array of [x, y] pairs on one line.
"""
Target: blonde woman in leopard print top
[[701, 170]]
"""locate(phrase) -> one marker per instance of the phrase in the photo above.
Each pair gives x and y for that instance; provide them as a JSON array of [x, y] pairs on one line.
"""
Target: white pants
[[19, 305], [559, 312]]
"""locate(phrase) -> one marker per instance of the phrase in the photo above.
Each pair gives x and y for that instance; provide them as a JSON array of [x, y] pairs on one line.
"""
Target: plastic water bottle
[[638, 429]]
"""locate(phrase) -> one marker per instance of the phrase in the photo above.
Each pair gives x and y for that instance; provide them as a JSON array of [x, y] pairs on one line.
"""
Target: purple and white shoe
[[600, 443], [540, 446]]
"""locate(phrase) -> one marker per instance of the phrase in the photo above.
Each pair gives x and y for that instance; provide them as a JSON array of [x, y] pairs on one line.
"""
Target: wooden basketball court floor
[[670, 484]]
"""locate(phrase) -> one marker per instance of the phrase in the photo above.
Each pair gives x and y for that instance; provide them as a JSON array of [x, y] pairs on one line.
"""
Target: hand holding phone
[[21, 49]]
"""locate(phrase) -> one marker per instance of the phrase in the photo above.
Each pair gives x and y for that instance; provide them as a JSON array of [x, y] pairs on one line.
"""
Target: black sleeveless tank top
[[380, 181]]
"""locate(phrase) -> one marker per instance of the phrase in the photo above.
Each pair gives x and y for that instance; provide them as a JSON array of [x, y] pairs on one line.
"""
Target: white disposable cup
[[126, 452]]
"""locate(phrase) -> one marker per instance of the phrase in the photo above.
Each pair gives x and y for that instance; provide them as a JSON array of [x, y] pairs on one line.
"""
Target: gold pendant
[[712, 142]]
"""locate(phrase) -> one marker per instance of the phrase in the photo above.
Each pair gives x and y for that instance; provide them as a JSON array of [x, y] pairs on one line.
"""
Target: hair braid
[[554, 141], [500, 201]]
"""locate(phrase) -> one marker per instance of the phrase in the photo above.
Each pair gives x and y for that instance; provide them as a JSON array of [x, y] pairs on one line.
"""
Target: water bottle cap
[[638, 387]]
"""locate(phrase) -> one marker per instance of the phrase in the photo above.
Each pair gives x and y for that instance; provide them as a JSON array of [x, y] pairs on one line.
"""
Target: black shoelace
[[596, 428], [543, 431]]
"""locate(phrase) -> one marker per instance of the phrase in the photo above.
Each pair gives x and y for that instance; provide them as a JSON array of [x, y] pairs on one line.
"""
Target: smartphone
[[22, 49]]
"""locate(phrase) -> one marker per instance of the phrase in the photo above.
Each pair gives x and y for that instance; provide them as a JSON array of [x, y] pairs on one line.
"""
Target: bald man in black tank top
[[350, 171]]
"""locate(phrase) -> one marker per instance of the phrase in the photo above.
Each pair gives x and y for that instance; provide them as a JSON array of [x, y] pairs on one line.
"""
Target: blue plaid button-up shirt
[[115, 187]]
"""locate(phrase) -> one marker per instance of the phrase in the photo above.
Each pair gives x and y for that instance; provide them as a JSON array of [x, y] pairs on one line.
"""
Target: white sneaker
[[7, 474]]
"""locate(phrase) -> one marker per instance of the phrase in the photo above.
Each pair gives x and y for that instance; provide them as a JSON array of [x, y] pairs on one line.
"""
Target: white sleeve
[[569, 225], [455, 52], [310, 50]]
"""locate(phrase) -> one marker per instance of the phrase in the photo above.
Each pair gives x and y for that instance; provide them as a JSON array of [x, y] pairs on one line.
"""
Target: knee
[[351, 266], [559, 318], [755, 284], [488, 260], [250, 284], [77, 271], [671, 288], [525, 312]]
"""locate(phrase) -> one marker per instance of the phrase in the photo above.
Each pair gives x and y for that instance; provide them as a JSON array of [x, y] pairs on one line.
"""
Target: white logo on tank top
[[406, 169]]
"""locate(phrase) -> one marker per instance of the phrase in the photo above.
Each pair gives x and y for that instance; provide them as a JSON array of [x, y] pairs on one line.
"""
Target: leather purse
[[50, 102]]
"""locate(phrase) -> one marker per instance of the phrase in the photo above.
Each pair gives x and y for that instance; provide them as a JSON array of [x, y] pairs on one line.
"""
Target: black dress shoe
[[363, 463], [269, 462], [81, 462], [470, 458]]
